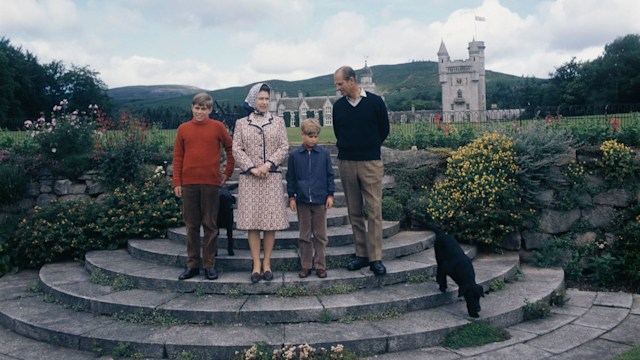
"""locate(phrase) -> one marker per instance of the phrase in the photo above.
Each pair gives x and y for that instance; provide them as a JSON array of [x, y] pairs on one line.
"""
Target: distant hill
[[142, 93], [402, 85]]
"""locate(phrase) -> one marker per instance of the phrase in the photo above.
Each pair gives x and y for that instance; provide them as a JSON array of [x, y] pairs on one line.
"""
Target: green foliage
[[559, 298], [399, 140], [61, 230], [536, 310], [13, 182], [626, 249], [478, 201], [67, 230], [293, 291], [391, 209], [447, 135], [125, 350], [125, 153], [139, 210], [66, 141], [122, 283], [185, 355], [475, 333], [588, 133], [497, 284], [98, 277], [555, 252], [617, 163], [538, 149], [631, 354]]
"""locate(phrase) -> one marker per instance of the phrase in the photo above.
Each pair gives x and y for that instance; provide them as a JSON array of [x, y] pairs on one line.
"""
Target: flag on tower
[[480, 18]]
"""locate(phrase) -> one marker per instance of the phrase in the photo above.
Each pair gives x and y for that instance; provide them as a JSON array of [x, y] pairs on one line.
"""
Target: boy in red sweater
[[197, 179]]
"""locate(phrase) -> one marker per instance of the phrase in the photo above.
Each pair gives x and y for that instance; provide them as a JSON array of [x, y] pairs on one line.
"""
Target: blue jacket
[[310, 176]]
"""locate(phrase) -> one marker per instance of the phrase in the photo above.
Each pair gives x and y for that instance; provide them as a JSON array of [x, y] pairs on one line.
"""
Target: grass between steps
[[475, 333], [631, 354]]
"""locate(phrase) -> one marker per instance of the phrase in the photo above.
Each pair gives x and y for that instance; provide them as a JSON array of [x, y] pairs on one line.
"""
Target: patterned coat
[[261, 202]]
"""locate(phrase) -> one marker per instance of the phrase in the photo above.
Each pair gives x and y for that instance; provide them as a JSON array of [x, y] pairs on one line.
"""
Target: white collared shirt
[[354, 102]]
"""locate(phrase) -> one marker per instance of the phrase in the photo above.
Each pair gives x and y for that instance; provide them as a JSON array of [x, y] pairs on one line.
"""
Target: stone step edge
[[340, 234], [167, 252], [147, 275], [66, 327], [221, 308]]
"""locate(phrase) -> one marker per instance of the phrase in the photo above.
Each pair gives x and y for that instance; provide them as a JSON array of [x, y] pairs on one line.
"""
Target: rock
[[512, 241], [61, 187], [534, 240], [614, 197], [586, 238], [45, 199], [410, 159], [556, 221], [76, 189], [599, 217]]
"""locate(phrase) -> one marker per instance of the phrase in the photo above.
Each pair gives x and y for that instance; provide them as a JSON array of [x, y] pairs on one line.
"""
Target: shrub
[[125, 153], [13, 182], [139, 210], [627, 249], [536, 310], [537, 150], [263, 351], [617, 162], [391, 209], [478, 200], [400, 141], [62, 230], [66, 141], [446, 135], [475, 333]]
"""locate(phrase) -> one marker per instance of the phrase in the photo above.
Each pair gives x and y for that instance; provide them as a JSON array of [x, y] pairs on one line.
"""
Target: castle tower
[[366, 79], [464, 96]]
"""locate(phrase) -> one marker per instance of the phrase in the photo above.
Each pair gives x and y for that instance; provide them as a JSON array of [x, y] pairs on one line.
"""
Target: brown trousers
[[312, 220], [362, 183], [200, 205]]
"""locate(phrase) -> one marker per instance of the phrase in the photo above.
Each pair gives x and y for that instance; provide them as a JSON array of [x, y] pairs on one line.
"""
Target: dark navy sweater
[[310, 176], [360, 130]]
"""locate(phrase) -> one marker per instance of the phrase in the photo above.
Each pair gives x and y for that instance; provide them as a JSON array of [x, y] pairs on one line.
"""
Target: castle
[[296, 109], [464, 96]]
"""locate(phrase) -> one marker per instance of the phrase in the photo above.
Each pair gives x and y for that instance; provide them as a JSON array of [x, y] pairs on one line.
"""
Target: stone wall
[[593, 215], [46, 189]]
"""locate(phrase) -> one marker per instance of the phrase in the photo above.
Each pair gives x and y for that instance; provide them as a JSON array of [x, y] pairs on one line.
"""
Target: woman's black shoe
[[255, 277]]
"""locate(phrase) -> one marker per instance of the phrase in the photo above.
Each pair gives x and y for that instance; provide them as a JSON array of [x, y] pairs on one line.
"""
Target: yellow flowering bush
[[616, 162], [478, 200], [140, 210]]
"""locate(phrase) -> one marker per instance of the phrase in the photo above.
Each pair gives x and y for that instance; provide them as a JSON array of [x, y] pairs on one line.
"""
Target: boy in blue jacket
[[310, 185]]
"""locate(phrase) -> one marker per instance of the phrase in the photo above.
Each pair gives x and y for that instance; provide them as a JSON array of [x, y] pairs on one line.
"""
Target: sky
[[216, 44]]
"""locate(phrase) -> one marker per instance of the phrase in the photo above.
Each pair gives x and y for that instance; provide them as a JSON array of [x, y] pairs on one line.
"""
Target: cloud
[[38, 18]]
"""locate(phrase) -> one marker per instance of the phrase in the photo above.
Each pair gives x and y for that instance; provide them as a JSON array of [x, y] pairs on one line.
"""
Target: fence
[[617, 116], [405, 122]]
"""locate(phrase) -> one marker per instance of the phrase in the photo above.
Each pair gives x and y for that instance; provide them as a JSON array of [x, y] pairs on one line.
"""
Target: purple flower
[[53, 150], [27, 123], [54, 121]]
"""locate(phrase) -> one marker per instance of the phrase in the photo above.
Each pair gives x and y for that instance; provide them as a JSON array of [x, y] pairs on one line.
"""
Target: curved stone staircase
[[213, 319]]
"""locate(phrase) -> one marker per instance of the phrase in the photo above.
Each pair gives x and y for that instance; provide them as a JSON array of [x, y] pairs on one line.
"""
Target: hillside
[[142, 93], [402, 85]]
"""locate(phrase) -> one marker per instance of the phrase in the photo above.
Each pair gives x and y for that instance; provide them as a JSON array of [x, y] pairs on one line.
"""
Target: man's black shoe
[[357, 263], [189, 273], [377, 267], [210, 273]]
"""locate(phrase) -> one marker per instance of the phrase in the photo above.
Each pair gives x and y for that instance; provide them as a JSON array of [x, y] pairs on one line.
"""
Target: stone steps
[[163, 274], [36, 316], [70, 283], [339, 235]]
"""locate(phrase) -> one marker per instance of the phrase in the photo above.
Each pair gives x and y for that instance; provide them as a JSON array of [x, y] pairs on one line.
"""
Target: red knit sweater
[[196, 154]]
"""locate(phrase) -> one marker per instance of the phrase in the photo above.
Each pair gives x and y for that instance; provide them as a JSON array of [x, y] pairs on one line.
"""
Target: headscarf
[[250, 101]]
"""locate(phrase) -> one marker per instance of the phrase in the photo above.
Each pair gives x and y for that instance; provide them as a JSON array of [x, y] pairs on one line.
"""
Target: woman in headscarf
[[260, 144]]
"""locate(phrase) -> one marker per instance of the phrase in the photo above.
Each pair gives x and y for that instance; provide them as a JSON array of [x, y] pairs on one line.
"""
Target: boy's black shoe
[[357, 263], [210, 273], [189, 273], [378, 268]]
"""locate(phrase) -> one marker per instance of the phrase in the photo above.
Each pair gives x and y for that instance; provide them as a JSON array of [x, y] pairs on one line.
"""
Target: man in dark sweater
[[361, 124]]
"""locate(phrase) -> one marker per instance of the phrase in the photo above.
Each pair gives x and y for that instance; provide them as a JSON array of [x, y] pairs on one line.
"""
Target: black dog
[[452, 261], [225, 214]]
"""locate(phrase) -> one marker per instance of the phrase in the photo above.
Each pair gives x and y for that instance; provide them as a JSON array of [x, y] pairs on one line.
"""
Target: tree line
[[27, 87]]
